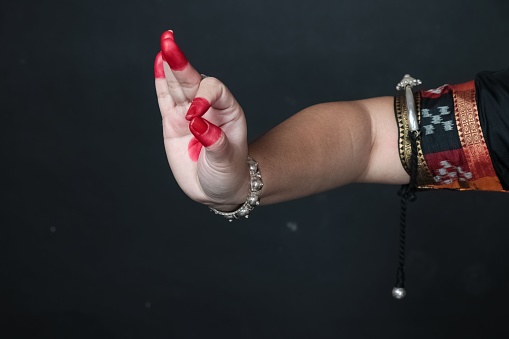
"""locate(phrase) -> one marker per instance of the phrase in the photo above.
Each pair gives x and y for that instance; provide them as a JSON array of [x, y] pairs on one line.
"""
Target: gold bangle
[[424, 178]]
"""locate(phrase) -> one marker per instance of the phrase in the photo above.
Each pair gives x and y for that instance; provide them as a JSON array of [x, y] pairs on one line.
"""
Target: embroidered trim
[[472, 140], [424, 178]]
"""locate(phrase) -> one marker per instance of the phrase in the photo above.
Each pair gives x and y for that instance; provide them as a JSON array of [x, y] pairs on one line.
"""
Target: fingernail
[[167, 35], [198, 108], [206, 133], [173, 55], [158, 66], [199, 126]]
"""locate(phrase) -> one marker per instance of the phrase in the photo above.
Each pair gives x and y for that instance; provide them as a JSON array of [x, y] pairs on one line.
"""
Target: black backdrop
[[98, 241]]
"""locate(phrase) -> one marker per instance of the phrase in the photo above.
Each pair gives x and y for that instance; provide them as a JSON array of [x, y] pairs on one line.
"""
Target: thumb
[[212, 138]]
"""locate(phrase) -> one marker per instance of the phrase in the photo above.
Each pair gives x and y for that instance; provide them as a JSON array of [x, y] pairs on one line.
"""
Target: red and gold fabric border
[[483, 176], [452, 152]]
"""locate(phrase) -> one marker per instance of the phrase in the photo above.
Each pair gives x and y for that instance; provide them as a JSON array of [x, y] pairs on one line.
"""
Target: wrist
[[251, 196], [226, 208], [235, 200]]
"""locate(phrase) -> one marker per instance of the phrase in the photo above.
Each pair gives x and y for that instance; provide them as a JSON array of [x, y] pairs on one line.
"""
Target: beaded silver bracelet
[[253, 198]]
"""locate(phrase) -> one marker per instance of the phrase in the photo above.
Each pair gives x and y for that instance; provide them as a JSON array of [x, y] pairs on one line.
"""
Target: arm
[[321, 147], [329, 145]]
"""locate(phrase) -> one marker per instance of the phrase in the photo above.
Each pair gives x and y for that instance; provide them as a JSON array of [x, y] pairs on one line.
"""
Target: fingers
[[173, 55], [164, 97], [178, 83], [183, 79], [158, 66], [211, 93], [211, 137], [198, 107], [208, 135], [205, 132]]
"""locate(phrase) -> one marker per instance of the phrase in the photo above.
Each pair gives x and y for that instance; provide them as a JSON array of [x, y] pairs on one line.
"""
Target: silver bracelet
[[253, 198], [406, 84]]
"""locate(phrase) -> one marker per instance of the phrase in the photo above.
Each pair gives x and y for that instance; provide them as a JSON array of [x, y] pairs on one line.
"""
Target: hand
[[204, 128]]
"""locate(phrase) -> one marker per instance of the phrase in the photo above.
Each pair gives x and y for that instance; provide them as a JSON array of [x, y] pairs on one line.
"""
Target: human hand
[[204, 128]]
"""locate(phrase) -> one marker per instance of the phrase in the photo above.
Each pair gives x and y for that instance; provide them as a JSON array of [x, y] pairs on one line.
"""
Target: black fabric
[[493, 104], [438, 126]]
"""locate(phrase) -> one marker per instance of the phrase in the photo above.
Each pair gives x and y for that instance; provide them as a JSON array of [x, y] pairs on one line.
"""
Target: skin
[[319, 148], [159, 67], [194, 149]]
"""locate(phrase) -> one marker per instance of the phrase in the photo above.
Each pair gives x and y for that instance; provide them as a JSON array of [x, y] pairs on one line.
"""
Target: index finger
[[183, 72]]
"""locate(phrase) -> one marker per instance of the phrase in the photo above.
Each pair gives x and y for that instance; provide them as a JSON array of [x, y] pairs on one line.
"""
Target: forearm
[[327, 146]]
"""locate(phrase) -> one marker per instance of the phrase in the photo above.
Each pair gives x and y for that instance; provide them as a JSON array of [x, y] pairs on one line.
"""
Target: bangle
[[406, 84], [407, 192], [253, 198]]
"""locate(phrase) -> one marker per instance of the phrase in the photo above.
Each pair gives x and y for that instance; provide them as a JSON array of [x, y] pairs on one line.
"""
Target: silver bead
[[253, 167], [252, 200], [256, 185], [243, 212], [398, 292], [408, 81]]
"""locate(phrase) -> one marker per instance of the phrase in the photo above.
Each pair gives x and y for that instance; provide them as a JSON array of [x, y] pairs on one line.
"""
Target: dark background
[[98, 241]]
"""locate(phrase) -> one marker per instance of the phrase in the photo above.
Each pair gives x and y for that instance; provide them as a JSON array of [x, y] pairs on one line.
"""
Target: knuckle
[[190, 82], [173, 85], [213, 82]]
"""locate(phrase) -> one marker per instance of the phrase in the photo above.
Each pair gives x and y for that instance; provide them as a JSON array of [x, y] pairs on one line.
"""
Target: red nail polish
[[167, 35], [199, 125], [158, 66], [173, 55], [198, 108], [206, 133]]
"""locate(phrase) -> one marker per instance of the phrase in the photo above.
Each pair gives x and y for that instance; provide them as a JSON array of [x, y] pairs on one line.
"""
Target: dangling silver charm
[[398, 293]]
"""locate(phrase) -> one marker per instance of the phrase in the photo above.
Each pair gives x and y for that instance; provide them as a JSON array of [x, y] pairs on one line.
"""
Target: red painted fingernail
[[158, 66], [198, 108], [173, 55], [206, 133], [199, 126], [167, 35]]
